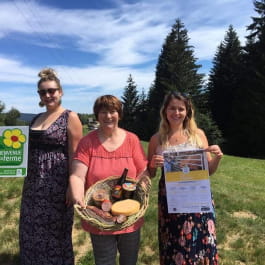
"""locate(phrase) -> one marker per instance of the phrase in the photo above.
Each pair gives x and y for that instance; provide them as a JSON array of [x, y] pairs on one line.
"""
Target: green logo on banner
[[11, 147]]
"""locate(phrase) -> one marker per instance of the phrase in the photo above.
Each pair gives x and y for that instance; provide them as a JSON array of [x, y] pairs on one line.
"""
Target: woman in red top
[[102, 153]]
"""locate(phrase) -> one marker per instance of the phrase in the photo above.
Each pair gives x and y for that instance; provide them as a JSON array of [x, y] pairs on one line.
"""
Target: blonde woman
[[184, 238], [46, 220]]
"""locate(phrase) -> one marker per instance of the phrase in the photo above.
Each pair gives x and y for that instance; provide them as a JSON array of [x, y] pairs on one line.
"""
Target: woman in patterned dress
[[184, 238], [46, 217]]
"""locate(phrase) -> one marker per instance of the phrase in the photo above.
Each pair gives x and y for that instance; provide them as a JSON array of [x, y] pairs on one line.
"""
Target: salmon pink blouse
[[103, 164]]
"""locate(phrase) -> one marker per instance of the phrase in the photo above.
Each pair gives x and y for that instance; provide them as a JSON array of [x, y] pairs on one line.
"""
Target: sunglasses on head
[[51, 91]]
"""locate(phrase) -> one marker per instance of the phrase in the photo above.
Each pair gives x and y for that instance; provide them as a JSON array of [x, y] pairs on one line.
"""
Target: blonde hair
[[189, 124], [48, 74]]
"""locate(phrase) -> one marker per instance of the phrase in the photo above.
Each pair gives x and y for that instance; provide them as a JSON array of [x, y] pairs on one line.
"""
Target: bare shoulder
[[73, 115], [74, 123], [155, 139], [200, 132], [203, 137]]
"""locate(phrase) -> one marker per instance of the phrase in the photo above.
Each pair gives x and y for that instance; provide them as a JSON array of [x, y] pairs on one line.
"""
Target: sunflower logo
[[13, 138]]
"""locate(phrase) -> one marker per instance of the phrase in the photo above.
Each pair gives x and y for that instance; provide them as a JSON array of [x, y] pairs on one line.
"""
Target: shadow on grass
[[9, 259]]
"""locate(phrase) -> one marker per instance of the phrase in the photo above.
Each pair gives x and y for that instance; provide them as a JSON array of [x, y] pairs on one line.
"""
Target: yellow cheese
[[127, 207]]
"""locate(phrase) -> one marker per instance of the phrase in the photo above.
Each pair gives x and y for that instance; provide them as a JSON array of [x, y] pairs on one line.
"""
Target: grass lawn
[[238, 189]]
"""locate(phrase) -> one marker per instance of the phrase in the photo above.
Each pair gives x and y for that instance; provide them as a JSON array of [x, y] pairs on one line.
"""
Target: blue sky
[[95, 44]]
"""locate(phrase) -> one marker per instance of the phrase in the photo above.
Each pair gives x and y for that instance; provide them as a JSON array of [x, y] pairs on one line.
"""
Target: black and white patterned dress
[[45, 231]]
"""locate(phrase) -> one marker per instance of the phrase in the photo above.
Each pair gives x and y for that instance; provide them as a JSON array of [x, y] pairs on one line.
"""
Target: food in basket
[[128, 189], [104, 216], [127, 207], [117, 190], [110, 221], [106, 205], [100, 214], [99, 196], [121, 219]]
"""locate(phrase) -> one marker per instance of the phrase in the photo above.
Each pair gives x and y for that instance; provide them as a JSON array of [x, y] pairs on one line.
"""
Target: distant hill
[[27, 117]]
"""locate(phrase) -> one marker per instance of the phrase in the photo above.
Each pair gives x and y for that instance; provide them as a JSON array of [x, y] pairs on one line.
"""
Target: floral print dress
[[185, 238], [45, 231]]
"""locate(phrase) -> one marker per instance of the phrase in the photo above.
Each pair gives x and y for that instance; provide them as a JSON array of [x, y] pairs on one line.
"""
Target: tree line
[[12, 117], [229, 104]]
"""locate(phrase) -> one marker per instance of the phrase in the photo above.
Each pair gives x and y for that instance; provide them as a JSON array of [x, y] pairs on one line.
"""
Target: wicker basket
[[141, 194]]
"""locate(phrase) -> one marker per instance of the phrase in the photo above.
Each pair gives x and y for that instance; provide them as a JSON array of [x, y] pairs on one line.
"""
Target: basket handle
[[77, 206]]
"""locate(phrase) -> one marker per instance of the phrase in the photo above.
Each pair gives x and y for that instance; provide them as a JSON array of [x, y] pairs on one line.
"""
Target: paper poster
[[187, 181], [13, 151]]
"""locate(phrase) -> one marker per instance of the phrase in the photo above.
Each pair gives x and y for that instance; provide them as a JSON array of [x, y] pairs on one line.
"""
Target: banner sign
[[187, 182], [14, 151]]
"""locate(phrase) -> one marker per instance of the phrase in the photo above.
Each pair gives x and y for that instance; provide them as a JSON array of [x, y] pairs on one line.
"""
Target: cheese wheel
[[127, 207]]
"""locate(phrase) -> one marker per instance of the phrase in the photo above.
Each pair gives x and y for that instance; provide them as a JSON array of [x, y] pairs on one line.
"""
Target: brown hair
[[107, 102]]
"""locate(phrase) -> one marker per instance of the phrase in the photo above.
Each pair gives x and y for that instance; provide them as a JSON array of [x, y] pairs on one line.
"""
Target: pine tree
[[141, 128], [176, 70], [11, 117], [249, 106], [130, 103], [224, 83], [2, 107]]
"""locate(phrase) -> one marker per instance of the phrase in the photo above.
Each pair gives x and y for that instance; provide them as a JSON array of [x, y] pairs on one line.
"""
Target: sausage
[[121, 218], [106, 205], [100, 214]]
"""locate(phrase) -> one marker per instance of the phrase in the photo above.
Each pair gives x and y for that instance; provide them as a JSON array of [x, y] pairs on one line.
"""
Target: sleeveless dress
[[185, 238], [45, 231]]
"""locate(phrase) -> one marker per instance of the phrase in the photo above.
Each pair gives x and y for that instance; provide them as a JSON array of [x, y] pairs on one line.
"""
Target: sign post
[[14, 151]]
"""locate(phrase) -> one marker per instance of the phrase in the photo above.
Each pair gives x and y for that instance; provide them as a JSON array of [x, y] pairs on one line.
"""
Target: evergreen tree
[[249, 112], [130, 103], [2, 107], [11, 117], [141, 128], [176, 70], [224, 83]]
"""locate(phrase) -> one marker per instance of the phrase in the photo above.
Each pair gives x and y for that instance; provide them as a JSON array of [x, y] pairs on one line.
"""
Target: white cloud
[[128, 35], [81, 85], [127, 40]]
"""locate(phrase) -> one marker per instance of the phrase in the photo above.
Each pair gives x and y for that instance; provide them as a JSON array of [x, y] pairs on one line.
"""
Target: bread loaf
[[127, 207]]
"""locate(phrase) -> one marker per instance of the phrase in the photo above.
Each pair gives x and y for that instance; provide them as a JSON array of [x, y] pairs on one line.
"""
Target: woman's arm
[[155, 160], [75, 133], [214, 153], [77, 182]]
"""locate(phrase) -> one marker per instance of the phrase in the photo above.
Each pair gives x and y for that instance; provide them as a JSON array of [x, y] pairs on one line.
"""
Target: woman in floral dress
[[46, 219], [184, 238]]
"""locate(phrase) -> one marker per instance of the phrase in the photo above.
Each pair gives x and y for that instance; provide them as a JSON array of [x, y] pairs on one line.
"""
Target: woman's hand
[[214, 161], [215, 150], [76, 191], [156, 161], [77, 183]]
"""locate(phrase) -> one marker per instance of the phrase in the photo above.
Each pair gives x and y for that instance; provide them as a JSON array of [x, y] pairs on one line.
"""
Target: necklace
[[177, 137]]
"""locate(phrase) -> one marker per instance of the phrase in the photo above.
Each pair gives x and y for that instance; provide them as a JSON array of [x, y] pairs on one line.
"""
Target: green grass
[[238, 189]]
